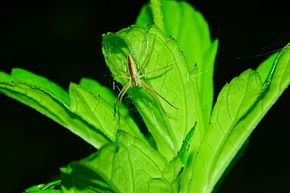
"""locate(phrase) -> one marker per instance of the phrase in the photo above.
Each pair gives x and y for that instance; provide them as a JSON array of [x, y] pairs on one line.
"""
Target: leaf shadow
[[83, 178]]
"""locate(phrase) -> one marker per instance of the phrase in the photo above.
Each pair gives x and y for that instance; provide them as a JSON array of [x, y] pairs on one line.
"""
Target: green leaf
[[267, 68], [189, 28], [233, 103], [77, 178], [50, 100], [239, 108], [52, 187], [158, 185], [174, 168], [161, 65], [99, 113], [48, 86], [171, 175], [96, 89], [126, 166], [183, 152]]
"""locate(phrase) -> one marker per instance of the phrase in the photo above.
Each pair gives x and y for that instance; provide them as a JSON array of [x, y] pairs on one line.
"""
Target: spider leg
[[122, 76], [114, 64], [153, 93], [153, 71], [148, 52], [120, 98], [146, 86], [158, 103], [123, 91]]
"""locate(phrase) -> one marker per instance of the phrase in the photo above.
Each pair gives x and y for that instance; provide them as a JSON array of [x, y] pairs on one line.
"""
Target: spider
[[135, 80]]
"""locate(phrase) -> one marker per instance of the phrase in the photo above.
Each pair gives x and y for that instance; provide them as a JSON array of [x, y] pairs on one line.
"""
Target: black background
[[61, 41]]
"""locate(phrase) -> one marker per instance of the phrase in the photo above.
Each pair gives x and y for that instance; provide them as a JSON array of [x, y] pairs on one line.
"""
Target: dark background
[[61, 41]]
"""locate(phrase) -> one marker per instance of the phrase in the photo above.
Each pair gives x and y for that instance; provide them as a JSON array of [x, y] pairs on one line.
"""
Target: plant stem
[[157, 14]]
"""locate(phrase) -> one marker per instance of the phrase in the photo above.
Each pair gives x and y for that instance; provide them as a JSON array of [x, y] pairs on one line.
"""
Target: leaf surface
[[189, 28], [239, 108], [50, 100], [51, 187], [77, 178], [168, 111], [99, 113], [127, 166]]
